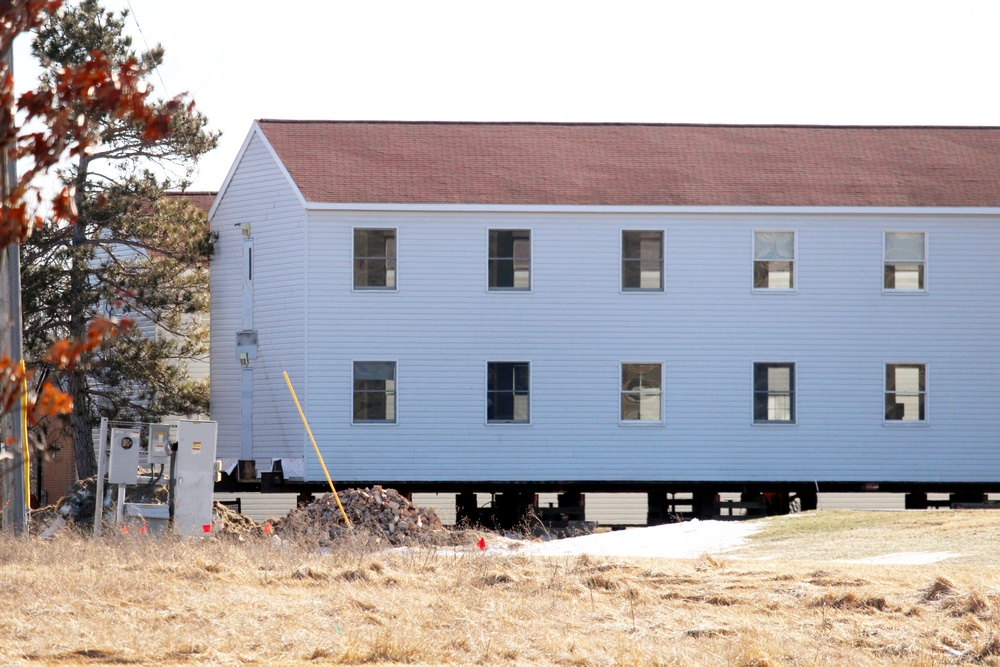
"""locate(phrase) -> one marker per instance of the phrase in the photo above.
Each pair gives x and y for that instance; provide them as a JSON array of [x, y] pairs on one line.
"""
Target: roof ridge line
[[303, 121]]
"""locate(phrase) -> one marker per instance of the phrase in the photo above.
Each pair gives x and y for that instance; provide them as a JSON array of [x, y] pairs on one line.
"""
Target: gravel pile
[[384, 512]]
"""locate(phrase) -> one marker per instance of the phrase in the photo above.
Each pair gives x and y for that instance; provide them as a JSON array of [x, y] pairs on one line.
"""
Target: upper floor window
[[507, 391], [642, 260], [374, 392], [642, 392], [905, 391], [773, 393], [773, 260], [375, 258], [510, 259], [905, 256]]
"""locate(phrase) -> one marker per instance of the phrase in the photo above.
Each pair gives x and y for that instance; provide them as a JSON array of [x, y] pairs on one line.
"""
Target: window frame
[[621, 394], [793, 393], [394, 391], [925, 262], [487, 392], [905, 423], [794, 262], [490, 259], [354, 258], [622, 259]]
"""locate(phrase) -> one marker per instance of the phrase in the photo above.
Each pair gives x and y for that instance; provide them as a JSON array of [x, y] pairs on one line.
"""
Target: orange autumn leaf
[[50, 401], [65, 354]]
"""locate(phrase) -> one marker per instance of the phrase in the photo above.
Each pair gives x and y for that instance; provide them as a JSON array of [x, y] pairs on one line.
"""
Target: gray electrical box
[[194, 472], [123, 461], [159, 444]]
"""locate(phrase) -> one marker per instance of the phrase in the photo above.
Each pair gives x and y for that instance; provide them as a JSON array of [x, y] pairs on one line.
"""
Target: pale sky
[[874, 62]]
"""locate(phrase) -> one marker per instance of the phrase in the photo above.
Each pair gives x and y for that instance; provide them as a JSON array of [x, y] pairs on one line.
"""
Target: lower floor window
[[507, 391], [905, 392], [642, 392], [374, 392], [774, 393]]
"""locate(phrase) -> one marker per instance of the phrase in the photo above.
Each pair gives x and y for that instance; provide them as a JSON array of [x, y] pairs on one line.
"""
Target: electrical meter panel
[[194, 472], [159, 444], [123, 463]]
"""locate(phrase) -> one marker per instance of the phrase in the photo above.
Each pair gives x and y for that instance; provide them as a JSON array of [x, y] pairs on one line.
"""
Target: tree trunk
[[83, 439], [79, 419]]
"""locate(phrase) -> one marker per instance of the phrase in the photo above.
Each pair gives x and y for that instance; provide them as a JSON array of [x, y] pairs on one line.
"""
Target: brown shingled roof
[[638, 164], [200, 199]]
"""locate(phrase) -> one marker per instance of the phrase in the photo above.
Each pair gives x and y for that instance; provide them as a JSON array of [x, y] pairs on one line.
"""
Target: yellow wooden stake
[[318, 455]]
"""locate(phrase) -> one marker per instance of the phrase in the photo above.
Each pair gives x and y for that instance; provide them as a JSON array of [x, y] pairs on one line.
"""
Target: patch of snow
[[909, 558], [690, 539]]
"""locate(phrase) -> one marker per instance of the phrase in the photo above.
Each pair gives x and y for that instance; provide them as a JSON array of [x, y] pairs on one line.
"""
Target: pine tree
[[131, 252]]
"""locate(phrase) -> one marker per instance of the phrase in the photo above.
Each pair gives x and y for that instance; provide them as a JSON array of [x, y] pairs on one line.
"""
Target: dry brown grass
[[841, 535], [137, 601]]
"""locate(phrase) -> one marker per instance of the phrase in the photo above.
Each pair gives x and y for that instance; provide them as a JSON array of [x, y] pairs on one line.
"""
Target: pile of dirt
[[384, 512], [230, 523]]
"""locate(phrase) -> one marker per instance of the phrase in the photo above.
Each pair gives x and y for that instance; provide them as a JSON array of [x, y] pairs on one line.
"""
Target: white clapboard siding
[[575, 326], [258, 194], [441, 327]]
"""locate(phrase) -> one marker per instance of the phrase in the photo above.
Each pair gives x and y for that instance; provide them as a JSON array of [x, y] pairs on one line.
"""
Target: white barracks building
[[517, 308]]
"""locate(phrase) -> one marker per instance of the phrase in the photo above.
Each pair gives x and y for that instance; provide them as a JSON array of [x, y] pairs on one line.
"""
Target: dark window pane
[[501, 273], [760, 377], [374, 391], [507, 387], [773, 275], [773, 392], [500, 406], [760, 407], [509, 258], [374, 258], [642, 245], [521, 378], [370, 406], [500, 377], [631, 275]]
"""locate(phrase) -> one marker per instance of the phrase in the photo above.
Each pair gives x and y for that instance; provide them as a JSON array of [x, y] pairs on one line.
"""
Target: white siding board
[[258, 194], [707, 328]]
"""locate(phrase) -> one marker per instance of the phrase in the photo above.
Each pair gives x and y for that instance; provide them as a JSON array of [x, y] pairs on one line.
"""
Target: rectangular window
[[905, 392], [773, 393], [374, 392], [507, 391], [375, 258], [642, 392], [510, 259], [642, 260], [774, 260], [905, 256]]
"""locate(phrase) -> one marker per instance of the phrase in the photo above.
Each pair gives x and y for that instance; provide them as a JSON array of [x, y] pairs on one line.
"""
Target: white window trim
[[374, 290], [795, 263], [641, 423], [377, 424], [795, 396], [486, 393], [907, 292], [621, 260], [531, 265], [913, 423]]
